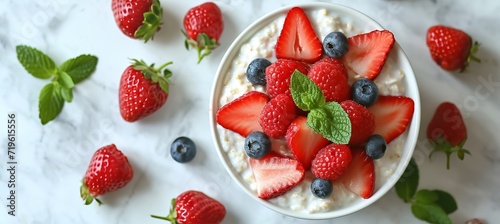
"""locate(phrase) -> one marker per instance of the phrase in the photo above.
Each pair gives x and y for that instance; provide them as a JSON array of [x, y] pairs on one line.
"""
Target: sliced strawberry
[[360, 174], [392, 115], [275, 175], [368, 52], [242, 114], [303, 142], [297, 39]]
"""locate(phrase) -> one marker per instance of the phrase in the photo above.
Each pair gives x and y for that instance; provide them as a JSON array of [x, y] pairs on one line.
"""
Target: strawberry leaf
[[35, 62], [50, 102], [331, 121], [151, 23], [408, 183], [79, 68], [305, 93]]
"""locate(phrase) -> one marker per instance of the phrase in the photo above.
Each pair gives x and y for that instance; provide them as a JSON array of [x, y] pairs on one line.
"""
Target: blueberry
[[183, 150], [256, 71], [335, 44], [364, 92], [375, 146], [321, 188], [257, 145]]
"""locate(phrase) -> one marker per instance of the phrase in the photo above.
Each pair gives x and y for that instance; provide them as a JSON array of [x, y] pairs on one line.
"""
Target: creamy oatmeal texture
[[300, 198]]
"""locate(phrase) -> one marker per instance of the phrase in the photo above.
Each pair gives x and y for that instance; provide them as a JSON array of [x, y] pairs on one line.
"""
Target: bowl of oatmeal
[[258, 41]]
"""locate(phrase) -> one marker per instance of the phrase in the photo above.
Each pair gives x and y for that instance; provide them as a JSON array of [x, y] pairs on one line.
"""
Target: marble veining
[[53, 158]]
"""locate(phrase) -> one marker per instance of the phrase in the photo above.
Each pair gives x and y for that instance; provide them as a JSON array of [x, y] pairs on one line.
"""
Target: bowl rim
[[412, 131]]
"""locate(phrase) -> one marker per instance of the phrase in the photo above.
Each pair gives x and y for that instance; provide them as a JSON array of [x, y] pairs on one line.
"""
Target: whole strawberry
[[195, 207], [138, 19], [143, 90], [450, 48], [109, 170], [203, 26], [447, 131]]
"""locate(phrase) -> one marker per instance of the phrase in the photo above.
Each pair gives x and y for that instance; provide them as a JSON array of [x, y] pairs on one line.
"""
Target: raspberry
[[277, 115], [331, 77], [278, 75], [362, 122], [331, 161]]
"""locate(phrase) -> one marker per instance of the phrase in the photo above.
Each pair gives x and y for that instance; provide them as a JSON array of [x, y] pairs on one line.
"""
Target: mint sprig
[[432, 206], [325, 118], [60, 89]]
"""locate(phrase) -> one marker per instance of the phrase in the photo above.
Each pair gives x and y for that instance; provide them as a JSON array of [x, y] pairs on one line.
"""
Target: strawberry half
[[275, 175], [242, 114], [359, 177], [368, 52], [297, 39], [392, 115], [303, 142]]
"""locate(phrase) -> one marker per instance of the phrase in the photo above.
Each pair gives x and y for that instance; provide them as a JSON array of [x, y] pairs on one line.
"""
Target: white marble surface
[[53, 158]]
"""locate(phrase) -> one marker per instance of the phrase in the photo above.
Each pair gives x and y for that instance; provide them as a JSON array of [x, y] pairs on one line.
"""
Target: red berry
[[392, 115], [331, 77], [203, 26], [195, 207], [278, 75], [141, 94], [130, 17], [359, 176], [450, 48], [362, 122], [108, 170], [331, 161], [277, 115]]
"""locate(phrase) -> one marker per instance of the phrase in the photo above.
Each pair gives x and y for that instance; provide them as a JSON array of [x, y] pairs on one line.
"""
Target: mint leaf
[[80, 68], [331, 121], [430, 212], [408, 183], [425, 196], [67, 94], [305, 93], [65, 80], [35, 62], [446, 201], [50, 102]]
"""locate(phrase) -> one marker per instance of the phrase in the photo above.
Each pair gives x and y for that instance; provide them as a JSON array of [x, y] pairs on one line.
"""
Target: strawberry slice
[[303, 142], [368, 52], [242, 114], [359, 177], [392, 115], [275, 175], [297, 39]]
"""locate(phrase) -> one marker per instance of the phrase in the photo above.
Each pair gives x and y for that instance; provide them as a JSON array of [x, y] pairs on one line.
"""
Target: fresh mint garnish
[[327, 119], [432, 206], [60, 89]]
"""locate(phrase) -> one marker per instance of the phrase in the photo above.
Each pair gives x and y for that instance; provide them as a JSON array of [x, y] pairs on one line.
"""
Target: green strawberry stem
[[203, 44], [472, 57], [156, 75], [85, 194], [151, 23], [172, 216], [441, 145]]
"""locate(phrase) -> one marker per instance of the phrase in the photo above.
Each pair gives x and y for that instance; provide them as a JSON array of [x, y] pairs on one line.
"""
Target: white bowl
[[359, 20]]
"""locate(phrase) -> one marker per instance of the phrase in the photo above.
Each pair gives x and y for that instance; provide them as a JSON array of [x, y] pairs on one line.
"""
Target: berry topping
[[183, 150], [303, 142], [392, 116], [321, 188], [277, 115], [450, 48], [368, 52], [275, 175], [256, 71], [331, 162], [242, 114], [335, 44], [364, 92], [359, 177], [375, 146], [362, 122], [331, 77], [257, 145], [297, 39], [278, 75]]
